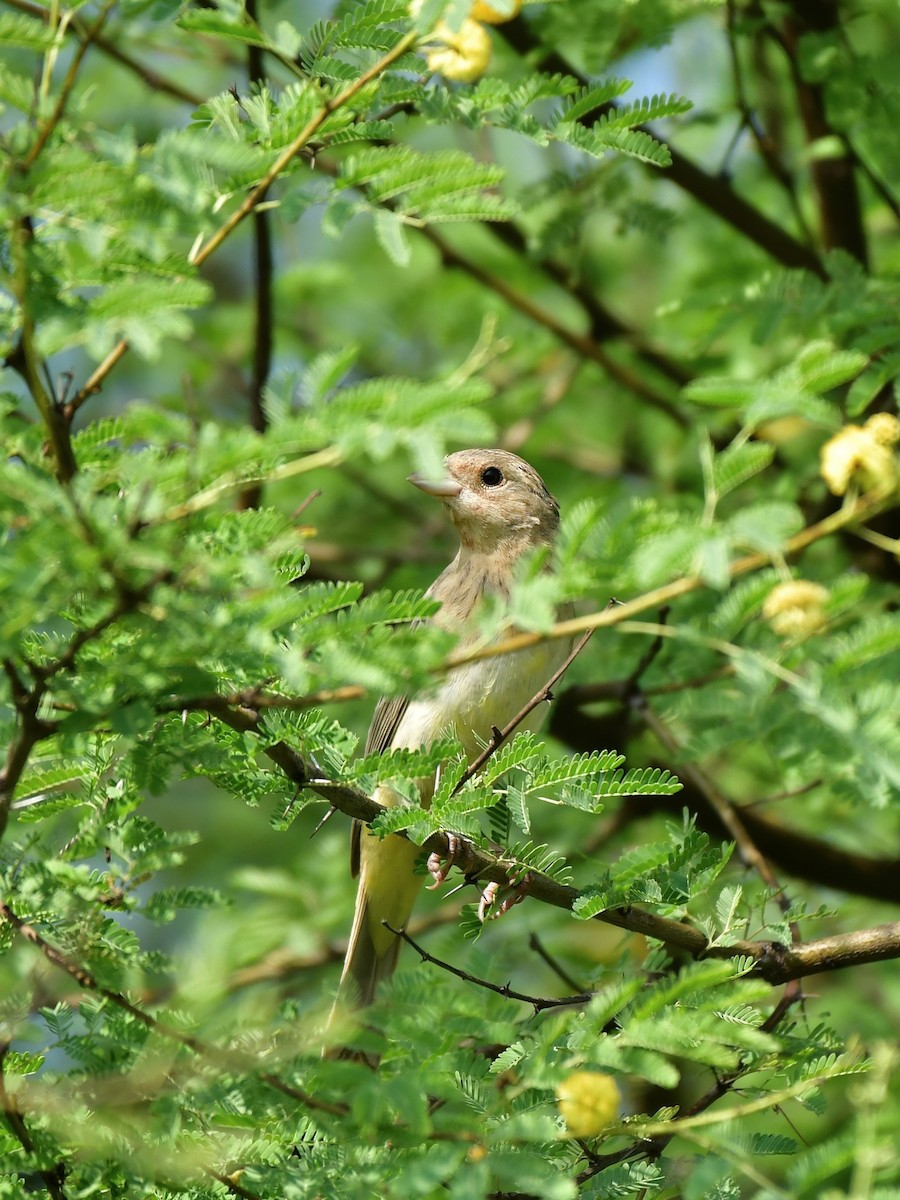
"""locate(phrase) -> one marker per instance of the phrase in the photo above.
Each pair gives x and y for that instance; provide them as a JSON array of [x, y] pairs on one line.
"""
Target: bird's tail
[[388, 887], [366, 964]]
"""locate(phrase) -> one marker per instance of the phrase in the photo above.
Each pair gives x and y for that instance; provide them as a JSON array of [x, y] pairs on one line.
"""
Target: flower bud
[[588, 1101], [462, 55], [483, 11], [795, 608], [862, 455]]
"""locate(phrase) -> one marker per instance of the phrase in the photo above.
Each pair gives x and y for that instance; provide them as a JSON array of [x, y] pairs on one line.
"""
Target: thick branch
[[263, 302], [775, 962], [795, 852], [834, 177]]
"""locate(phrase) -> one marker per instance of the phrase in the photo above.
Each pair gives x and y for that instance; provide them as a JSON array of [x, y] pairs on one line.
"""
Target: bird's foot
[[518, 892], [439, 867]]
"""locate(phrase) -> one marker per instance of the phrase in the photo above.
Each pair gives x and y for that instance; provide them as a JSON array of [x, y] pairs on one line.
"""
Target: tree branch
[[153, 80], [538, 1003], [52, 1176], [253, 198], [583, 344], [844, 518], [27, 701], [263, 302], [712, 191], [27, 360], [774, 962], [725, 810], [834, 178], [801, 856], [45, 132], [88, 981]]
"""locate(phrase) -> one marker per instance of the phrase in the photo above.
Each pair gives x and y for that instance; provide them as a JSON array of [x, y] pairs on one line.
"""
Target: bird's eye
[[491, 476]]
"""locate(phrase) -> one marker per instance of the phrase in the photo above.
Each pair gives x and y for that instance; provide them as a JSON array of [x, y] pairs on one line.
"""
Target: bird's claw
[[517, 894], [439, 867]]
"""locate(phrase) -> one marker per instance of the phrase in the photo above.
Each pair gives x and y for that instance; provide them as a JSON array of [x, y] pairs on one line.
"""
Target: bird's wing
[[387, 716]]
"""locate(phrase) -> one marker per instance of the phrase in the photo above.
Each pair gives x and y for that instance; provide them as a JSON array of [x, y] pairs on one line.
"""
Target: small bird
[[501, 509]]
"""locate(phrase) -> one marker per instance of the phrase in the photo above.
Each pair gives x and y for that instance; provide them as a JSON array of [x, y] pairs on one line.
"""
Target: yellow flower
[[862, 454], [588, 1101], [795, 609], [483, 11], [463, 55], [884, 428]]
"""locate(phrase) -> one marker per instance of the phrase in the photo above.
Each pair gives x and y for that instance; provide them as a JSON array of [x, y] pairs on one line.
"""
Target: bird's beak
[[444, 489]]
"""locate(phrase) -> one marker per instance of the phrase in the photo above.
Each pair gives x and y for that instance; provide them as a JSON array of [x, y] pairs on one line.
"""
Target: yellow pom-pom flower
[[589, 1102], [491, 15], [862, 455], [884, 428], [462, 55], [796, 608]]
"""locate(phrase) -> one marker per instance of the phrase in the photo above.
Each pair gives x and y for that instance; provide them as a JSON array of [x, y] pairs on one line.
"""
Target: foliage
[[668, 295]]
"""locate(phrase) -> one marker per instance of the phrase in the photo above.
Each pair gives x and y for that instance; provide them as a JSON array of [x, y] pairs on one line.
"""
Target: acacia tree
[[256, 265]]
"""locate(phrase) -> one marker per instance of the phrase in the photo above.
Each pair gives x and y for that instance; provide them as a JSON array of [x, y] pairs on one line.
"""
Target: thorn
[[325, 819]]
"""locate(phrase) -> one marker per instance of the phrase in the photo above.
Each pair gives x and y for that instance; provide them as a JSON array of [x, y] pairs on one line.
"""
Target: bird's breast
[[476, 696]]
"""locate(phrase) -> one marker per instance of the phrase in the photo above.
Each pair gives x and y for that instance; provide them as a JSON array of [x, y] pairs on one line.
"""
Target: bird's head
[[495, 499]]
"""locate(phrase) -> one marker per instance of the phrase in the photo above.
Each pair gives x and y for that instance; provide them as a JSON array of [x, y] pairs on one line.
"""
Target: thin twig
[[535, 944], [152, 79], [27, 359], [32, 728], [722, 1086], [52, 1176], [538, 1003], [844, 518], [253, 198], [259, 699], [499, 736], [48, 127], [259, 192], [88, 981]]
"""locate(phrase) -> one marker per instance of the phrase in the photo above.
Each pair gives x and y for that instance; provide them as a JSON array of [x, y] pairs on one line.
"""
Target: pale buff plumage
[[497, 519]]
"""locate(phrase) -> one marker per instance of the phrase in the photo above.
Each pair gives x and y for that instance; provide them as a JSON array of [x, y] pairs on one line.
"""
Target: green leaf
[[738, 463], [392, 235], [588, 99], [218, 24], [16, 29]]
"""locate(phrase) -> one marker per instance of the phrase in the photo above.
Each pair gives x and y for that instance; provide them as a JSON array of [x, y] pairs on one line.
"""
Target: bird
[[501, 509]]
